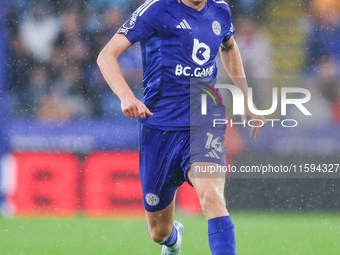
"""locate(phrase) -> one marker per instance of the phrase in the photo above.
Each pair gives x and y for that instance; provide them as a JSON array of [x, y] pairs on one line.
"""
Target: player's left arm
[[232, 62]]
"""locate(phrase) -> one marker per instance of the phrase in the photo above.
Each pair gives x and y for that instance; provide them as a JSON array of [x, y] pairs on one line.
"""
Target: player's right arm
[[109, 66]]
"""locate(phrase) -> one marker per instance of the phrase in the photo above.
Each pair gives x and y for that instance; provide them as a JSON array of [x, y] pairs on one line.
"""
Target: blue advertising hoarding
[[88, 135]]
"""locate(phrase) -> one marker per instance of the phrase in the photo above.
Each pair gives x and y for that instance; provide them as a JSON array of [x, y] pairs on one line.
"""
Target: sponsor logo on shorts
[[152, 199]]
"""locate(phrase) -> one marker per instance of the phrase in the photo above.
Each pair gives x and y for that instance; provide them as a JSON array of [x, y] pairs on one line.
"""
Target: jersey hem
[[167, 128]]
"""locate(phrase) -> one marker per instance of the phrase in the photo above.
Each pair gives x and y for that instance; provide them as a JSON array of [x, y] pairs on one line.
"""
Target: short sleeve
[[229, 27], [145, 21], [229, 33]]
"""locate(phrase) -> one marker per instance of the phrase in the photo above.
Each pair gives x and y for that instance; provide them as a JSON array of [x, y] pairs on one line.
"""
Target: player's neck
[[195, 4]]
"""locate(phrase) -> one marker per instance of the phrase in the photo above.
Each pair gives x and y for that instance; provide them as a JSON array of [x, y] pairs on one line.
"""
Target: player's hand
[[258, 122], [132, 107]]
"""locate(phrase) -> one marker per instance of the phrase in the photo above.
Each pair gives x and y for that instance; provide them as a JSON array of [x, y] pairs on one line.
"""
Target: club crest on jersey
[[152, 199], [216, 27]]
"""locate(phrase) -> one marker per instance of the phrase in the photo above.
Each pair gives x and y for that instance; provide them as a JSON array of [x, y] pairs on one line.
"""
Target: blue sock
[[221, 233], [172, 239]]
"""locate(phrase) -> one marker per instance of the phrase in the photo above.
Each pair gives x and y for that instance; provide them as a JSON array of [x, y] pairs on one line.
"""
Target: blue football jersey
[[178, 43]]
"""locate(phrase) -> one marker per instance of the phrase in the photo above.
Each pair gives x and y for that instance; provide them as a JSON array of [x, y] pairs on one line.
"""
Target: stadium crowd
[[54, 46], [323, 58], [53, 57]]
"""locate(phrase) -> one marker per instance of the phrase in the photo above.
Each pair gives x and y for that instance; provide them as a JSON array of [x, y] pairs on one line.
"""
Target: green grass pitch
[[256, 232]]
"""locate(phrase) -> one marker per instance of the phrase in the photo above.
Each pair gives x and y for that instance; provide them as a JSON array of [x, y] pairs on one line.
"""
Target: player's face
[[193, 3], [197, 2]]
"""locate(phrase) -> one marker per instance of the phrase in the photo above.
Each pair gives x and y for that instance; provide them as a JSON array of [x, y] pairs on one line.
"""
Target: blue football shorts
[[165, 158]]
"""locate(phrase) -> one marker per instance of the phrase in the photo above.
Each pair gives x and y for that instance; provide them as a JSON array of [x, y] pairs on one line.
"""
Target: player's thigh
[[160, 167], [206, 181], [207, 158]]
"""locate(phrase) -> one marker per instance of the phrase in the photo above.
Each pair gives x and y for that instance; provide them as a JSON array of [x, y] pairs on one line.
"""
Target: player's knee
[[210, 199], [159, 234]]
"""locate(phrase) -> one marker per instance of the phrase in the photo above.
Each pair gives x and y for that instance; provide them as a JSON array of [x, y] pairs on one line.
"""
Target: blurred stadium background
[[68, 151]]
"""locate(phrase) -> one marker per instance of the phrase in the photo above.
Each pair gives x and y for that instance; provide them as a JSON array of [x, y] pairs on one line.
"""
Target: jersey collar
[[192, 10]]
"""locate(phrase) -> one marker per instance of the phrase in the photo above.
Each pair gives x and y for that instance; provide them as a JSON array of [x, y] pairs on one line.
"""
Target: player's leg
[[220, 226], [160, 175], [164, 230], [210, 191], [160, 223]]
